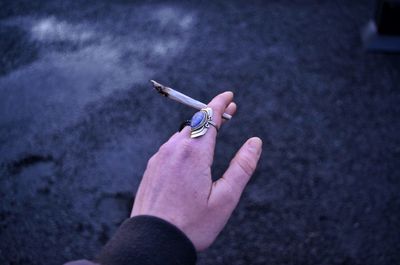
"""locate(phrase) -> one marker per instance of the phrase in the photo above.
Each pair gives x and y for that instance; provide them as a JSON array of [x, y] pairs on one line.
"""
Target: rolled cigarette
[[182, 98]]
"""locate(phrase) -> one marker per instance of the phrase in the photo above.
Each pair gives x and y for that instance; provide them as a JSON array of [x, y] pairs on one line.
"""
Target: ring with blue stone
[[200, 122]]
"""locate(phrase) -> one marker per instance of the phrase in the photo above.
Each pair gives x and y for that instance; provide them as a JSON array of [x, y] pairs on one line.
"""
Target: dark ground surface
[[78, 122]]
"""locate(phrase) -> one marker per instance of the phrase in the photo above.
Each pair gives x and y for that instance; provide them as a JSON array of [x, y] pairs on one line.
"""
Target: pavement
[[78, 122]]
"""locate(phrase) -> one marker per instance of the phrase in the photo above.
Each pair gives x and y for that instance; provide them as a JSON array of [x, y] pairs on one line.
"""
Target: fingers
[[227, 190], [203, 146], [231, 110], [220, 104], [206, 143]]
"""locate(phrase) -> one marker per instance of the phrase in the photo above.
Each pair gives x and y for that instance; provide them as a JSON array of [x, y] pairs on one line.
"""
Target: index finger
[[218, 104], [206, 144]]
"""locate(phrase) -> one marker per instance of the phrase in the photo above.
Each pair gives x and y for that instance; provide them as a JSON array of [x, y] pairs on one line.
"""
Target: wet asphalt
[[78, 122]]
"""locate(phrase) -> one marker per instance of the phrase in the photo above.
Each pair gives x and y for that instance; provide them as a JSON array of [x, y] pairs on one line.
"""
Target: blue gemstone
[[197, 119]]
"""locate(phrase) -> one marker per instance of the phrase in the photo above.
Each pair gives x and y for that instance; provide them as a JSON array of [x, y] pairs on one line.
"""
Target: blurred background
[[79, 120]]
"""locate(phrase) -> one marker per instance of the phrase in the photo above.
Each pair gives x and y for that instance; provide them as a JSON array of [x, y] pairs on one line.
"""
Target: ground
[[79, 120]]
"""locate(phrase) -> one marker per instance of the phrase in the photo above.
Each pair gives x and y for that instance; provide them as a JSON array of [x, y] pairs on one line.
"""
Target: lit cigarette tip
[[160, 88], [155, 83]]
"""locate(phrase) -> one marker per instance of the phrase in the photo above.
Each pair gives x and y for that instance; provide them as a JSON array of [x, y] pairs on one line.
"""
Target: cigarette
[[182, 98]]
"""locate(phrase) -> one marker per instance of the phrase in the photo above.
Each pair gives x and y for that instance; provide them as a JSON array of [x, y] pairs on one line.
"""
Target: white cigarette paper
[[182, 98]]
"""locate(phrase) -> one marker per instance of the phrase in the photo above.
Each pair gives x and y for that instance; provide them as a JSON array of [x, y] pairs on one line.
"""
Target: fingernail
[[255, 145]]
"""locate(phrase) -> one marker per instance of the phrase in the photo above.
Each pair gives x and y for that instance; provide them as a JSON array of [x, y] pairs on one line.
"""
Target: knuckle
[[230, 195], [246, 164], [152, 161], [165, 150], [230, 198], [186, 148]]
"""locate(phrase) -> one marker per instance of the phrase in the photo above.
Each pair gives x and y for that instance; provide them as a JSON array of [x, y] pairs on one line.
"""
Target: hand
[[177, 184]]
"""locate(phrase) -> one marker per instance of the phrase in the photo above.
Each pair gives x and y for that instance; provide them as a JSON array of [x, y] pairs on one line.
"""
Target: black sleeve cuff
[[148, 240]]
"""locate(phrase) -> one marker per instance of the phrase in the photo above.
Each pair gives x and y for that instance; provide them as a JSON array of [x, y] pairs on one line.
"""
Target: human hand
[[177, 184]]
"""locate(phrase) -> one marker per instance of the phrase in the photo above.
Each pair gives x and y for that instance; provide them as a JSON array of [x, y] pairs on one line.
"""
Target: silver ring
[[200, 122], [213, 124]]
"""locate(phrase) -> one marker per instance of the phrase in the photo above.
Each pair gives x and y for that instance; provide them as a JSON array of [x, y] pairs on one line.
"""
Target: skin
[[177, 184]]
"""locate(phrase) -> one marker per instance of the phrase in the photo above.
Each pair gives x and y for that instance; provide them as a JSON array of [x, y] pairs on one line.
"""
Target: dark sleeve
[[148, 240]]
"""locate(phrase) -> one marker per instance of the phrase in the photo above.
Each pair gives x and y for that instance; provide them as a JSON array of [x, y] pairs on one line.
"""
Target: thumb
[[228, 189]]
